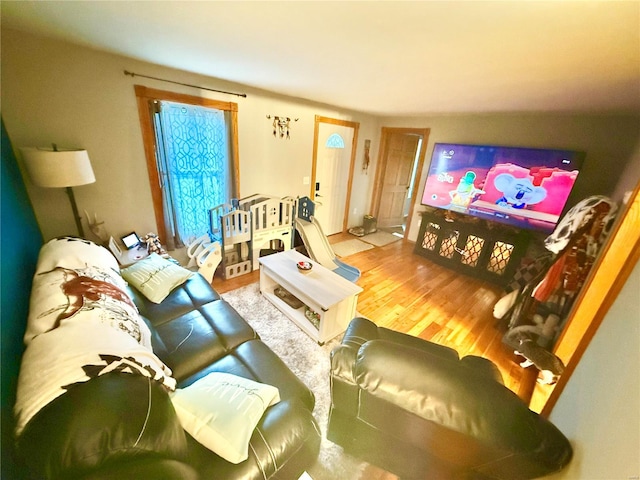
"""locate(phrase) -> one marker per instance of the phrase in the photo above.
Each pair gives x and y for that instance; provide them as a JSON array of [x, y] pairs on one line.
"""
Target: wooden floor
[[408, 293]]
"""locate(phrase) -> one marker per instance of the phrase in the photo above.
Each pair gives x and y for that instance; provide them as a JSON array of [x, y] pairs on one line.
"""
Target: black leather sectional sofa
[[122, 425]]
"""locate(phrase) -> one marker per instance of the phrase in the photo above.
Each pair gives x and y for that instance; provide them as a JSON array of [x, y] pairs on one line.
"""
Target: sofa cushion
[[155, 277], [194, 293], [221, 411], [255, 360], [200, 337], [193, 327]]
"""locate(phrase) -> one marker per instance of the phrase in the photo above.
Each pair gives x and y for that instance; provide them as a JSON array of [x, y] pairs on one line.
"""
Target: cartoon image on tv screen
[[517, 192], [522, 187], [466, 191]]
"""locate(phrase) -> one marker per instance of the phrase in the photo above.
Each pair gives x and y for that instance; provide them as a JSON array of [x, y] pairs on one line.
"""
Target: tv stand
[[475, 247]]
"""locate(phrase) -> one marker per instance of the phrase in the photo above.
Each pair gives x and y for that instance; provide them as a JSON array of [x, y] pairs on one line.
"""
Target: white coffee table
[[329, 300]]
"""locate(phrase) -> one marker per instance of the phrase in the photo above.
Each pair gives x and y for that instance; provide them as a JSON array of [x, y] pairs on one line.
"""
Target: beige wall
[[76, 97], [630, 175], [599, 409]]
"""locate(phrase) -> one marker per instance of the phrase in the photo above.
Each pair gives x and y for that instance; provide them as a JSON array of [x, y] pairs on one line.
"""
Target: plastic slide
[[319, 249]]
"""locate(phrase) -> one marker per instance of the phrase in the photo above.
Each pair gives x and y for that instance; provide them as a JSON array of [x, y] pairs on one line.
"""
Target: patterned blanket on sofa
[[81, 324]]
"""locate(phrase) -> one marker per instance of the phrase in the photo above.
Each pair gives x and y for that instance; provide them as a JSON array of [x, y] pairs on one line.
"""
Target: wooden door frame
[[144, 95], [385, 133], [354, 142]]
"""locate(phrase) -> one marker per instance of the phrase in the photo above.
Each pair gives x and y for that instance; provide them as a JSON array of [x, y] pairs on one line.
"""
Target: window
[[192, 157], [191, 151], [335, 141]]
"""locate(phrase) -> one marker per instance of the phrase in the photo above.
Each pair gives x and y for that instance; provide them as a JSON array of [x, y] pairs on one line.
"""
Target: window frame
[[144, 95]]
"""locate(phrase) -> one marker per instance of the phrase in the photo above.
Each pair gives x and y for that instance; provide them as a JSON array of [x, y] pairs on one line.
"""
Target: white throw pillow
[[222, 410], [155, 277]]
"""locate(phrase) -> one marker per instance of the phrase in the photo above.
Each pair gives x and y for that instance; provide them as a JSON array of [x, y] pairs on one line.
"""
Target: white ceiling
[[380, 57]]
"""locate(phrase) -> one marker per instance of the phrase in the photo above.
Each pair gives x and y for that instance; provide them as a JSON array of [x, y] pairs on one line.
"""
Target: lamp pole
[[76, 215]]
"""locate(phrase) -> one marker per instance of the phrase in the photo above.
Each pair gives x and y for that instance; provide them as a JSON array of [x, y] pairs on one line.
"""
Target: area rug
[[380, 238], [310, 362], [349, 247]]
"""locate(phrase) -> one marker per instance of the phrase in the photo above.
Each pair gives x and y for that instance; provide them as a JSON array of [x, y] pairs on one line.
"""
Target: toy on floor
[[246, 227], [204, 256], [231, 227], [153, 244], [272, 220], [249, 225], [316, 243]]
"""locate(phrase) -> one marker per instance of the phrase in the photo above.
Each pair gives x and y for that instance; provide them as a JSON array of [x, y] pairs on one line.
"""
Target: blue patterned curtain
[[194, 166]]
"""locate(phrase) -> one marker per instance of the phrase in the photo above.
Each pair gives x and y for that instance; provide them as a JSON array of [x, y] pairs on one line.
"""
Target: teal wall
[[20, 241]]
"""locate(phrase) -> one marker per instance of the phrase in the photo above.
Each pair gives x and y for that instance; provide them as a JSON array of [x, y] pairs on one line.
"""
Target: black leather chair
[[417, 410]]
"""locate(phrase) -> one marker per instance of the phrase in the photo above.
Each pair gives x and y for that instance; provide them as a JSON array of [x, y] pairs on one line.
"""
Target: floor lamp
[[53, 168]]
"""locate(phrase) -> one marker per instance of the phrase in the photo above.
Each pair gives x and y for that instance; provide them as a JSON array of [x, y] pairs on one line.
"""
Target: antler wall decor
[[97, 228], [281, 125]]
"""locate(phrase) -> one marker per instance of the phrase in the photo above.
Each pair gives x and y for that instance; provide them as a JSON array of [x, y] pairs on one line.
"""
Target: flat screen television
[[522, 187]]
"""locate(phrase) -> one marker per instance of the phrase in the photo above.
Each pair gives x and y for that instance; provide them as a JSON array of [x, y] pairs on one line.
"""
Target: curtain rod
[[185, 84]]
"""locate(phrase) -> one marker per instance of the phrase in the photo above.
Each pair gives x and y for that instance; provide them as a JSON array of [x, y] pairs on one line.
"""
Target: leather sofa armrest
[[343, 361], [483, 366], [343, 357], [112, 419], [147, 468], [360, 331]]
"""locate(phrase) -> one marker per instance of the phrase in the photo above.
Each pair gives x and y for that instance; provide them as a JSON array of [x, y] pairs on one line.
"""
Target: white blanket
[[82, 324], [76, 352]]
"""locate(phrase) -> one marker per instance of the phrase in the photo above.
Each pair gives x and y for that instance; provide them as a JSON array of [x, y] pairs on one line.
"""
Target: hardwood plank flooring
[[408, 293]]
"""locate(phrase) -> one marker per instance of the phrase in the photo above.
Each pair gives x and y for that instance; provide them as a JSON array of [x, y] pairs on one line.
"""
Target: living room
[[54, 91]]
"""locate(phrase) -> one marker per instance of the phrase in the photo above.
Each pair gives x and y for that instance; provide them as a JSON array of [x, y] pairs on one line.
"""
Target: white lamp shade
[[63, 168]]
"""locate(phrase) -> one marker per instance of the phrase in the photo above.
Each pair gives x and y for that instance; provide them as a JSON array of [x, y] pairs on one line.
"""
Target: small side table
[[127, 257]]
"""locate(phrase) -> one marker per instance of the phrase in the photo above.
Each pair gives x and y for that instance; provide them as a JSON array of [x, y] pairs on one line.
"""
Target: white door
[[333, 159]]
